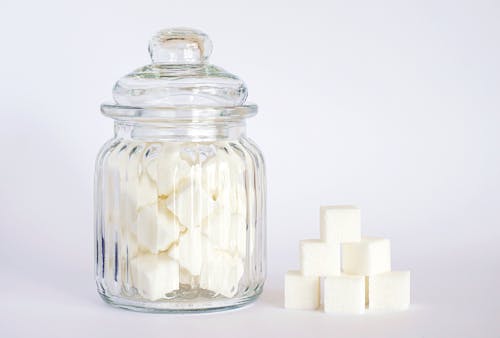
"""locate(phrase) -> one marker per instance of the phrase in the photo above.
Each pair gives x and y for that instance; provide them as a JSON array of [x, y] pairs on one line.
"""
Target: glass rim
[[178, 113]]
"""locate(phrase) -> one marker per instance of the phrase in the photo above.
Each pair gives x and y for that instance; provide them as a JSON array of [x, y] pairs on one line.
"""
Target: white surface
[[391, 105]]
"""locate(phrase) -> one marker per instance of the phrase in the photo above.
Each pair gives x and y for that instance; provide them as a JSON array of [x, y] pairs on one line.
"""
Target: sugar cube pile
[[356, 269], [174, 219]]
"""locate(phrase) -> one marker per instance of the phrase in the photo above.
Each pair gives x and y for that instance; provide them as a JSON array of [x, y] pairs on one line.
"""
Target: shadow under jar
[[180, 189]]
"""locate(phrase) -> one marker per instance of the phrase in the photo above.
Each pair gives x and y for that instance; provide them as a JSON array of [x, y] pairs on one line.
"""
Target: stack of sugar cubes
[[356, 270]]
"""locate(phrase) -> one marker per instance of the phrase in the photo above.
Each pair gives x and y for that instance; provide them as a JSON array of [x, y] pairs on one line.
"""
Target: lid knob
[[180, 75], [180, 46]]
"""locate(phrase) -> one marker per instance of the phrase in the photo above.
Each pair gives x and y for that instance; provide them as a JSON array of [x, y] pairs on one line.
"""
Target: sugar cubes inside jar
[[180, 189]]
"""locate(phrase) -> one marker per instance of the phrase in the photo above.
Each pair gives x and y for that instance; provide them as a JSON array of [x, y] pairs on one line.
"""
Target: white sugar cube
[[344, 294], [191, 204], [154, 275], [340, 224], [171, 170], [135, 193], [319, 258], [226, 231], [190, 251], [235, 197], [389, 291], [221, 273], [157, 228], [147, 192], [121, 181], [301, 292], [368, 257], [224, 179]]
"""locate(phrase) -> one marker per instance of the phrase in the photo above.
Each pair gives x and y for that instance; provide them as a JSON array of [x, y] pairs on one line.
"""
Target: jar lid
[[179, 83]]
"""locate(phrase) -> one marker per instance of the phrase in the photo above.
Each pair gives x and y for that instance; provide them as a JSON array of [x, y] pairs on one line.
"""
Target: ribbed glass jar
[[180, 216], [180, 189]]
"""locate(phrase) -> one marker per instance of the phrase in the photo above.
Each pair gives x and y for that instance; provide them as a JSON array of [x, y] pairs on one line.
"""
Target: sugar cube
[[301, 292], [340, 224], [319, 258], [223, 177], [154, 275], [389, 291], [170, 170], [226, 231], [191, 204], [344, 294], [221, 273], [368, 257], [157, 228], [189, 252]]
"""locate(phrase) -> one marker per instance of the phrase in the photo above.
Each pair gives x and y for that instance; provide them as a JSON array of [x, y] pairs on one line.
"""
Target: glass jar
[[180, 205]]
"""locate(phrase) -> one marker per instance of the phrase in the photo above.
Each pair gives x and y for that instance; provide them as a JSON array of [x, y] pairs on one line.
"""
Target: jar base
[[202, 306]]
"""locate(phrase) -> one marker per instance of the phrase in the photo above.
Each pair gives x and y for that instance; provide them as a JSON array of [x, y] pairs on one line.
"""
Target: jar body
[[180, 217]]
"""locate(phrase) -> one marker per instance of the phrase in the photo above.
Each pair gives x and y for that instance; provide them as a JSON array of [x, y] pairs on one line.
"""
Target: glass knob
[[180, 46]]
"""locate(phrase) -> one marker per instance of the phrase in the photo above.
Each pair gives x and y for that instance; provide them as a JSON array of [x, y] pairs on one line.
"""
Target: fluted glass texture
[[179, 222]]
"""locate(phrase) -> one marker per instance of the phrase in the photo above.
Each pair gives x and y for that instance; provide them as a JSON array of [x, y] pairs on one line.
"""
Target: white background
[[390, 105]]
